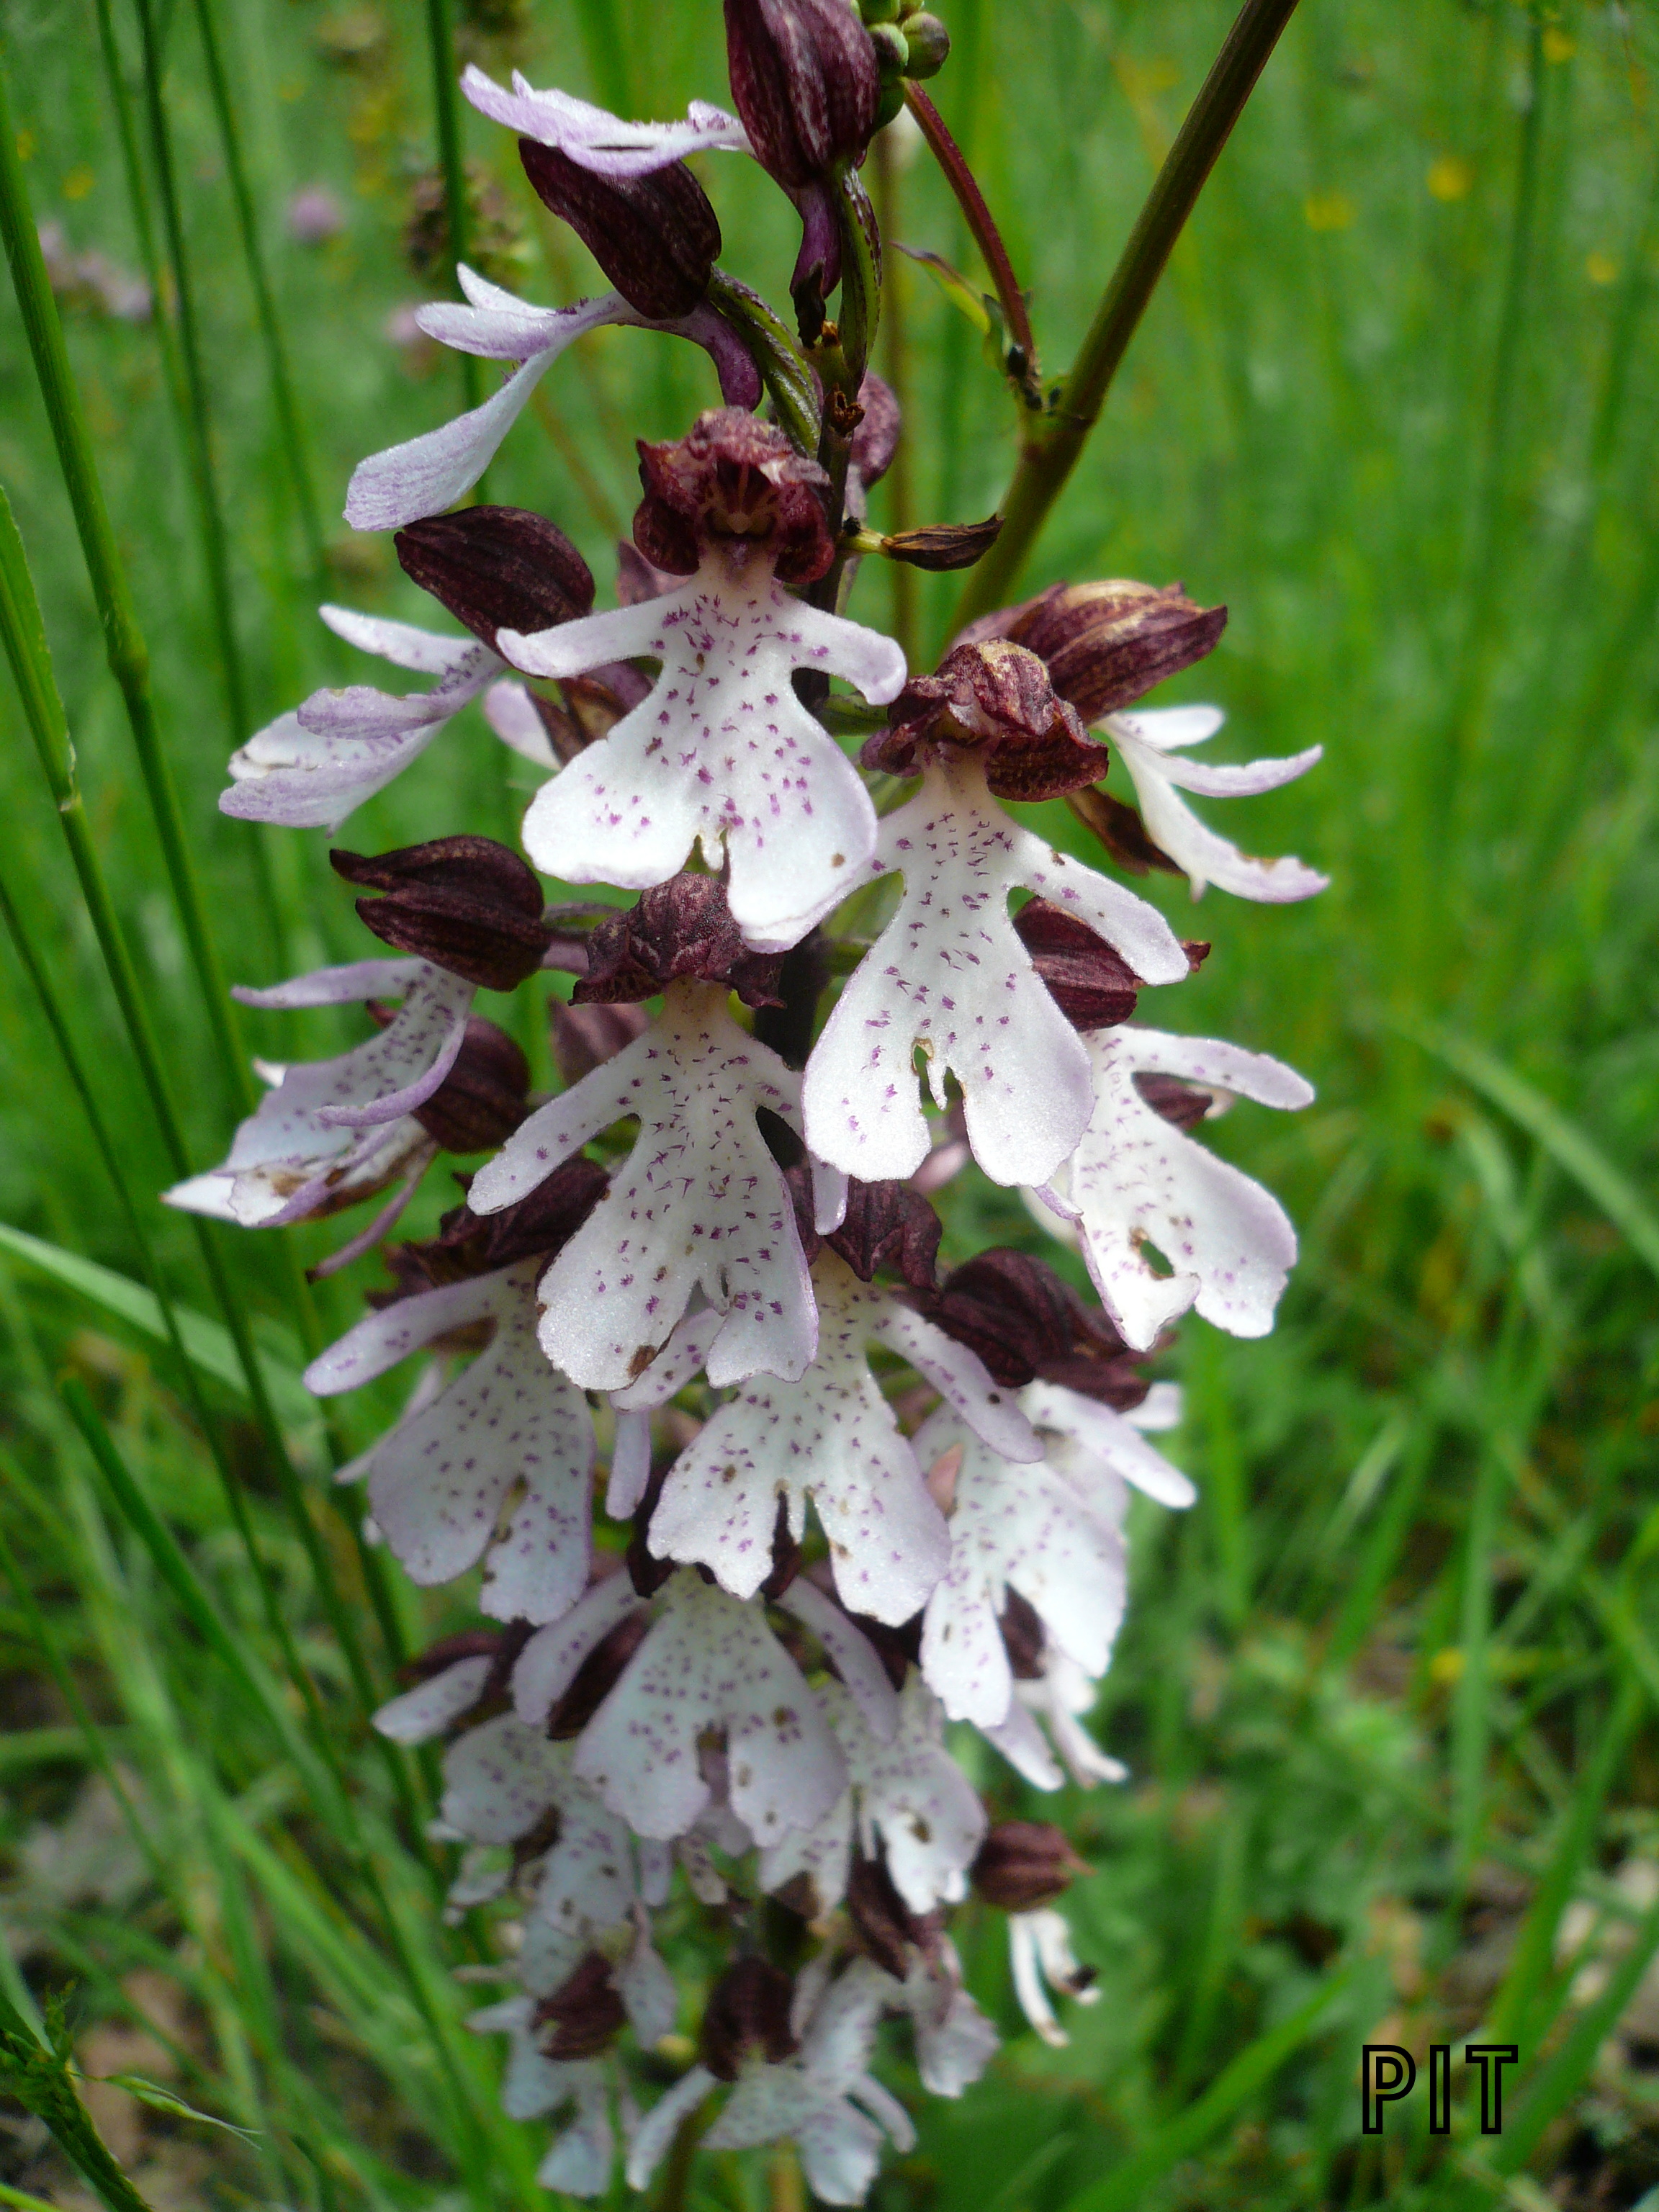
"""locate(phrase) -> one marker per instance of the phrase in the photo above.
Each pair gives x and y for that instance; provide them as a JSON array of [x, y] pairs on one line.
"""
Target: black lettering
[[1387, 2073], [1491, 2058]]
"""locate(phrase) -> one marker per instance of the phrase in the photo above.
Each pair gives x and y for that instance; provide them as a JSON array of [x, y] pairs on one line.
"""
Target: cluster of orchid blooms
[[675, 1272]]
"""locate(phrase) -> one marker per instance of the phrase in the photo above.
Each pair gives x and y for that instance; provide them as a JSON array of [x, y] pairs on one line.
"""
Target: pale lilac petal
[[510, 713], [630, 1466], [548, 1664], [711, 1663], [428, 1710], [581, 2161], [498, 1780], [1242, 782], [1207, 858], [1161, 1408], [912, 1796], [821, 1855], [960, 1377], [721, 753], [701, 1205], [1025, 1747], [427, 474], [599, 141], [402, 643], [297, 1153], [661, 2124], [1052, 1533], [1167, 728], [854, 1654], [1136, 1177], [382, 1339], [312, 768], [949, 974], [1110, 1439], [830, 1434], [287, 775], [350, 985], [647, 1990]]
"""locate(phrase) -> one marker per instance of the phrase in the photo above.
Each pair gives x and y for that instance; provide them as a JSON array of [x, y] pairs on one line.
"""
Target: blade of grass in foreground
[[39, 2077], [294, 451], [1560, 1136], [1125, 2187]]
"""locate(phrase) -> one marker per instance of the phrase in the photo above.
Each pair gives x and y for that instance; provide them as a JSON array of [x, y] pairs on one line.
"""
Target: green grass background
[[1387, 1694]]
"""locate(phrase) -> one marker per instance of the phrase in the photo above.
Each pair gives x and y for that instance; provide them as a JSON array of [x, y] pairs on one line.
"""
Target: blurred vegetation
[[1387, 1694]]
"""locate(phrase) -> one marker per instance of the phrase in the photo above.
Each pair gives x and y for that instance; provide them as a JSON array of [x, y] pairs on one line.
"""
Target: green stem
[[1055, 442], [282, 387], [38, 2078], [895, 367], [138, 200], [980, 224], [210, 517], [123, 644], [446, 110]]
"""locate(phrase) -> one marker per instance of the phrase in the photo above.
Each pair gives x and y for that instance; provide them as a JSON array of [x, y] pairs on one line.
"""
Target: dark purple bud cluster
[[736, 483], [996, 699], [1107, 644], [497, 568], [466, 904], [681, 931], [656, 237]]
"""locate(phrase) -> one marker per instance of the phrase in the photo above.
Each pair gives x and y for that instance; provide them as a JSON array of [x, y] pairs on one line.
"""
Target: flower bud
[[1107, 644], [585, 1037], [997, 698], [892, 48], [497, 568], [939, 547], [584, 2013], [1177, 1102], [656, 237], [1010, 1309], [734, 481], [468, 1243], [1024, 1863], [929, 43], [886, 1223], [1121, 831], [884, 1925], [1022, 1636], [1089, 980], [597, 1675], [679, 930], [486, 1095], [805, 81], [748, 2011], [466, 904]]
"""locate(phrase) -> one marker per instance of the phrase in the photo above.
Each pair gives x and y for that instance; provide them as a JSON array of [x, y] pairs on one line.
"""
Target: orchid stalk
[[764, 1506]]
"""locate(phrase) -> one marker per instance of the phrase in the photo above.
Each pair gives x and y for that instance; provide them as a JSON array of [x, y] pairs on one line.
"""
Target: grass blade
[[1254, 2066], [1567, 1144], [204, 1343]]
